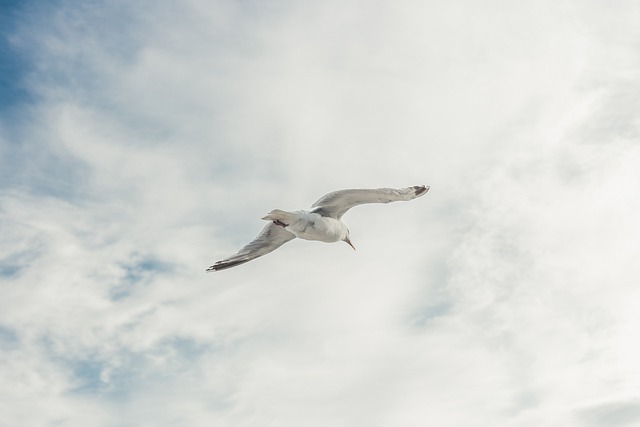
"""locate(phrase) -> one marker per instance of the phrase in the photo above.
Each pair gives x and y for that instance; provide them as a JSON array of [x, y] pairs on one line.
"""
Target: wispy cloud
[[155, 136]]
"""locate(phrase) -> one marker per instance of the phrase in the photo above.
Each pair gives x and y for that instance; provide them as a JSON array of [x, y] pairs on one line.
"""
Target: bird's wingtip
[[215, 267], [224, 264], [421, 189]]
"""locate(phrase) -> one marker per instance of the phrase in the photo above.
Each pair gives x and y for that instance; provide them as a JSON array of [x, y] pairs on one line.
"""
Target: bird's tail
[[281, 216]]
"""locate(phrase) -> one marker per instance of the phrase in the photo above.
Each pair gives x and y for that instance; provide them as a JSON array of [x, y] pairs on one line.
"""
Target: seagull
[[323, 222]]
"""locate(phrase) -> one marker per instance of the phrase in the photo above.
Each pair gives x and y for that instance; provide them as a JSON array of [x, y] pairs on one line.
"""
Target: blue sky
[[140, 142], [14, 65]]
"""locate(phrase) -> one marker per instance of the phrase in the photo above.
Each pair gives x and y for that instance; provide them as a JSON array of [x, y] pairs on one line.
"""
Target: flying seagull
[[323, 222]]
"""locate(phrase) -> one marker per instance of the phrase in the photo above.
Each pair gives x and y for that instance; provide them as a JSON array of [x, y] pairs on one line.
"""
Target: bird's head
[[347, 239]]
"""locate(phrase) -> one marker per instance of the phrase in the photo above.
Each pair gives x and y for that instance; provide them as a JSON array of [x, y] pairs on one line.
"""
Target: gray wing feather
[[336, 203], [270, 238]]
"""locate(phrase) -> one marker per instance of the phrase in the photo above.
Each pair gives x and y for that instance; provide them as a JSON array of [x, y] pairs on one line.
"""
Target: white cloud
[[163, 132]]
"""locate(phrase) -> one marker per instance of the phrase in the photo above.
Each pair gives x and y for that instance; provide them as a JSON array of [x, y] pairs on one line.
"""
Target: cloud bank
[[155, 135]]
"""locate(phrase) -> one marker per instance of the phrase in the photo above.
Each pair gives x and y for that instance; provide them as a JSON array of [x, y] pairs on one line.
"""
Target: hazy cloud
[[155, 135]]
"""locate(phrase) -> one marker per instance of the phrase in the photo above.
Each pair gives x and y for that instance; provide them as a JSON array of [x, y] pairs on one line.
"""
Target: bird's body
[[322, 223], [309, 225]]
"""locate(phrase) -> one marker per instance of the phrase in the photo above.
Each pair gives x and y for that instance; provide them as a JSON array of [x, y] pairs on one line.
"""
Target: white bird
[[322, 222]]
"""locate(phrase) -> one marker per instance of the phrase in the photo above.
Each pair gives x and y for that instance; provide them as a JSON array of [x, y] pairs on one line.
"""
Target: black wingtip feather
[[221, 265], [421, 189]]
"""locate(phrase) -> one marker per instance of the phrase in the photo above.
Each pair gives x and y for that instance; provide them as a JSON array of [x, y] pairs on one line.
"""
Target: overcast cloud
[[142, 141]]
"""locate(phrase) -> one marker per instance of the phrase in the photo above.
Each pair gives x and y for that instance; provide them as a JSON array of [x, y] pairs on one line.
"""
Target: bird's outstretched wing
[[336, 203], [270, 238]]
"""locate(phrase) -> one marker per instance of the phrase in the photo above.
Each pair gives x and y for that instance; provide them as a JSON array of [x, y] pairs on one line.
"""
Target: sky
[[142, 141]]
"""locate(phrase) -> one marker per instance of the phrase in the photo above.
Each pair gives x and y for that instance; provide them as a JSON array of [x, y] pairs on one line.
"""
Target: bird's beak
[[349, 243]]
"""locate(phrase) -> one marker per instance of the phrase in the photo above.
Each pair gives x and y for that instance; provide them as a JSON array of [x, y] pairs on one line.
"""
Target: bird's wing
[[270, 238], [336, 203]]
